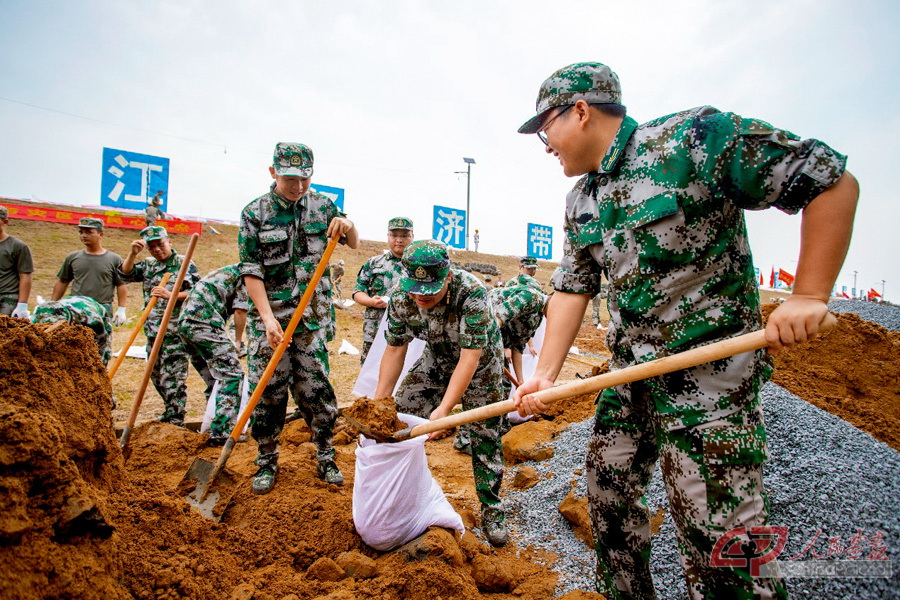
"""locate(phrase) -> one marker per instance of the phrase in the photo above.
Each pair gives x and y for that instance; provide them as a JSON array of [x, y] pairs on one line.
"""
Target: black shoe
[[216, 440], [328, 472], [177, 420], [493, 523], [264, 480]]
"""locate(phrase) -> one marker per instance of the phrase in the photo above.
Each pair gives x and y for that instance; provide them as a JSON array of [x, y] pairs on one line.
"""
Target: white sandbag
[[529, 364], [395, 498], [367, 380], [347, 348], [210, 413]]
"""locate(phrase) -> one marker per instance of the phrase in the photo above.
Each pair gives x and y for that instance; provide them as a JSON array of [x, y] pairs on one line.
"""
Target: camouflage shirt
[[663, 220], [525, 279], [216, 296], [376, 278], [463, 319], [282, 242], [520, 310], [149, 272]]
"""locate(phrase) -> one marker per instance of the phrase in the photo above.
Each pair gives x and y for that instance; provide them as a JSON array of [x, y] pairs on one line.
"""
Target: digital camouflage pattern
[[463, 319], [202, 326], [8, 303], [376, 278], [153, 233], [170, 371], [520, 310], [526, 280], [663, 221], [293, 160], [337, 279], [592, 82], [91, 223], [79, 310], [528, 261], [281, 243], [425, 267], [400, 223]]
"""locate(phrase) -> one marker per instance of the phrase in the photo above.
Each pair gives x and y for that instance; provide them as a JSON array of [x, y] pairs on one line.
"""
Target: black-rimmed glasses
[[541, 132]]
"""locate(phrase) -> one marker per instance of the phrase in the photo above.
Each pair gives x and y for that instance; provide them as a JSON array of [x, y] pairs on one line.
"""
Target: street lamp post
[[468, 172]]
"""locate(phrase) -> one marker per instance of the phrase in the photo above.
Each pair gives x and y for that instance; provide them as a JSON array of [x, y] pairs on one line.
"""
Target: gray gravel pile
[[824, 476], [884, 314]]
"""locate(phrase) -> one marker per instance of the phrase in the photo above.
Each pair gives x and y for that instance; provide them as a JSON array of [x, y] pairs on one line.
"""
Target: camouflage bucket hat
[[4, 212], [528, 261], [400, 223], [426, 265], [294, 160], [154, 232], [595, 83], [90, 222]]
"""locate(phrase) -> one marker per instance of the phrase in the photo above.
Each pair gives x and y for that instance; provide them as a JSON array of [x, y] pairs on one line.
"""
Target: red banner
[[110, 219], [786, 277]]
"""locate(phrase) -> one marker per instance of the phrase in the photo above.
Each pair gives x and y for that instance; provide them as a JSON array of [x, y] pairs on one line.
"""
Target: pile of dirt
[[79, 522], [850, 372], [378, 415]]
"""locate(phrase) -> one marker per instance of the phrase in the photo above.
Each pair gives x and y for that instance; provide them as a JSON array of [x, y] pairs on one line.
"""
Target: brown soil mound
[[378, 415], [78, 522], [851, 372]]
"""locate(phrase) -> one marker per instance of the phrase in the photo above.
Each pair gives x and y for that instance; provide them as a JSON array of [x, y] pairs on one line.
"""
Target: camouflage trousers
[[596, 303], [337, 289], [421, 392], [370, 330], [303, 370], [101, 326], [216, 359], [169, 376], [8, 304], [713, 478]]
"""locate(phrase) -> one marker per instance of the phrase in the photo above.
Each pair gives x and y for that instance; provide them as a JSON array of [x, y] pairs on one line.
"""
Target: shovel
[[215, 485], [137, 328], [660, 366]]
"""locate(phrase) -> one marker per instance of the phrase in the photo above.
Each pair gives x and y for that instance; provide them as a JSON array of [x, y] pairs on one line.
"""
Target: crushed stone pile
[[886, 315]]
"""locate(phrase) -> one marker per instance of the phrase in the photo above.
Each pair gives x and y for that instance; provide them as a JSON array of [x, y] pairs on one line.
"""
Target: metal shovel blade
[[368, 431], [220, 490]]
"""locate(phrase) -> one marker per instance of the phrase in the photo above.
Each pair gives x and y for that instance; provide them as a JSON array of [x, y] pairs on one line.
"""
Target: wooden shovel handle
[[157, 344], [137, 328], [288, 335], [653, 368]]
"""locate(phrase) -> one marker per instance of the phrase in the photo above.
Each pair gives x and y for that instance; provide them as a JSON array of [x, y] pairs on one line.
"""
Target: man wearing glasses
[[377, 276], [659, 210]]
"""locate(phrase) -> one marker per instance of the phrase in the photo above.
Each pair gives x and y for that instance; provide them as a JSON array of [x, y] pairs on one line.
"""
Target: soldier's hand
[[137, 246], [438, 413], [379, 302], [119, 318], [796, 320], [339, 227], [21, 311], [528, 405], [161, 292], [274, 332]]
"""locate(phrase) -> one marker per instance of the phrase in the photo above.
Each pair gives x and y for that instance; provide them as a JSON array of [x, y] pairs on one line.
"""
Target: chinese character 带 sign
[[449, 226], [540, 241], [335, 194], [130, 179]]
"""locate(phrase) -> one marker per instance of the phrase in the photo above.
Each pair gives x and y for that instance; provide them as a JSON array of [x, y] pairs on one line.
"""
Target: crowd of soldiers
[[658, 209]]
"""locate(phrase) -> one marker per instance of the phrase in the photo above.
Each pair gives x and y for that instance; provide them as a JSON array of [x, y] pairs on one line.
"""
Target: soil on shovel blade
[[77, 521], [379, 415]]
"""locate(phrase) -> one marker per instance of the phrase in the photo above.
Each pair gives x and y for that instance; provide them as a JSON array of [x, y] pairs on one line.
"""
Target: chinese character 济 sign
[[449, 226]]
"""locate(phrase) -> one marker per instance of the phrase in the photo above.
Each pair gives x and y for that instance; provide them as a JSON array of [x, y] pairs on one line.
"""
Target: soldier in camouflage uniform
[[202, 327], [659, 212], [80, 310], [337, 279], [519, 310], [376, 278], [462, 361], [169, 374], [282, 238], [527, 269]]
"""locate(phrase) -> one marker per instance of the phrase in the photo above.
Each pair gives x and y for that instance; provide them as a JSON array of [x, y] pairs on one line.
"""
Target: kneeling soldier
[[79, 310]]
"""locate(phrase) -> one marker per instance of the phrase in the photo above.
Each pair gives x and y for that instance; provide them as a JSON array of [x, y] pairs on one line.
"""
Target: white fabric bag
[[395, 498], [210, 413]]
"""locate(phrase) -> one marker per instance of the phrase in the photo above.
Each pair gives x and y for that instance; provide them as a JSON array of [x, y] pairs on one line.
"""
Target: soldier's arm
[[389, 370], [122, 294], [137, 246], [24, 287], [256, 289], [517, 364], [459, 381], [344, 228], [240, 322], [825, 231], [59, 289]]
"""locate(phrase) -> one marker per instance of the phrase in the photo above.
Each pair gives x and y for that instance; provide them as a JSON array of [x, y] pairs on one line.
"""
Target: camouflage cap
[[4, 212], [90, 222], [294, 160], [154, 232], [400, 223], [595, 83], [426, 265], [528, 261]]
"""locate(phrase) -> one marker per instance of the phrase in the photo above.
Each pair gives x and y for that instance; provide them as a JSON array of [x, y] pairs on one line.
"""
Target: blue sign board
[[540, 241], [336, 194], [449, 226], [130, 179]]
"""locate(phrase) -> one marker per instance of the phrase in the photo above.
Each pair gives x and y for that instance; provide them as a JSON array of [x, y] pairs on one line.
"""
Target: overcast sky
[[391, 95]]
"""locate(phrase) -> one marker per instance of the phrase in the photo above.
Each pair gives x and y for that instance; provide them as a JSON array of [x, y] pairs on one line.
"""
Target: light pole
[[854, 284], [882, 289], [468, 172]]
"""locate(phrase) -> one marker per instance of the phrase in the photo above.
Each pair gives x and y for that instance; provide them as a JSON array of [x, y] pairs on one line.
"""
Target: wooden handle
[[137, 328], [288, 335], [653, 368], [160, 336]]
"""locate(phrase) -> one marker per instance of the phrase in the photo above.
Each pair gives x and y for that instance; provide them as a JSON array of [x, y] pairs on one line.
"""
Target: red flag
[[845, 295], [873, 294], [772, 278], [786, 277], [761, 280]]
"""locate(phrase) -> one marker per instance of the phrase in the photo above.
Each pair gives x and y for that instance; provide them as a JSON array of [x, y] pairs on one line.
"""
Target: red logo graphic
[[749, 547]]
